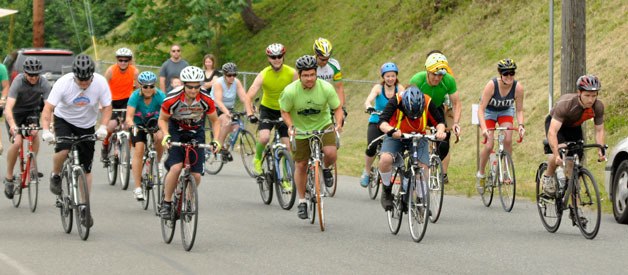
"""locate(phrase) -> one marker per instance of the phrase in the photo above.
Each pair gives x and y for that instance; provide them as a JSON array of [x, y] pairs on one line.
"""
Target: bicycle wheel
[[82, 214], [331, 191], [374, 181], [112, 166], [310, 197], [418, 208], [189, 212], [265, 181], [436, 188], [548, 207], [507, 182], [168, 226], [64, 202], [33, 184], [318, 189], [587, 204], [17, 191], [246, 148], [124, 164], [146, 183], [213, 162], [487, 196], [156, 189], [395, 216], [285, 186]]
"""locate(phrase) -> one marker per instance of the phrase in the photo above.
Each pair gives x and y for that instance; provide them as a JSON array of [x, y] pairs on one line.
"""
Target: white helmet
[[124, 52], [192, 74]]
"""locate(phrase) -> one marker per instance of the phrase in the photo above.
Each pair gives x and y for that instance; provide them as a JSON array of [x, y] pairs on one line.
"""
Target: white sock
[[386, 178], [302, 200], [479, 175]]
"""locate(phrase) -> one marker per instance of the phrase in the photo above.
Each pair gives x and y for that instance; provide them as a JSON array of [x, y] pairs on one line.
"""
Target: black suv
[[55, 62]]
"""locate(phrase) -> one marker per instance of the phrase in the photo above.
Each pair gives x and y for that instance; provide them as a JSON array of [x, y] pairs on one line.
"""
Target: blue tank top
[[380, 102], [497, 102], [228, 94]]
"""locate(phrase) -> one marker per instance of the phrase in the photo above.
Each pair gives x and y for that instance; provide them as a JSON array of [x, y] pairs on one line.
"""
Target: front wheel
[[418, 208], [112, 161], [507, 182], [586, 202], [64, 203], [247, 151], [374, 182], [146, 183], [285, 186], [17, 191], [331, 191], [83, 212], [436, 188], [124, 162], [33, 184], [548, 207], [318, 189], [213, 162], [189, 212]]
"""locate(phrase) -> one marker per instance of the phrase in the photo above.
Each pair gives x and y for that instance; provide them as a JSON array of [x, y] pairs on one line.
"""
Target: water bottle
[[493, 161], [560, 176]]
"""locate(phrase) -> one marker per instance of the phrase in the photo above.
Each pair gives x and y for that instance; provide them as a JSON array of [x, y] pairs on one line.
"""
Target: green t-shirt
[[4, 75], [274, 83], [309, 109], [438, 92]]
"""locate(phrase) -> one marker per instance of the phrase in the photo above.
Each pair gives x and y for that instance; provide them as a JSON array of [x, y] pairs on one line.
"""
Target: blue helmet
[[147, 78], [389, 67], [412, 102]]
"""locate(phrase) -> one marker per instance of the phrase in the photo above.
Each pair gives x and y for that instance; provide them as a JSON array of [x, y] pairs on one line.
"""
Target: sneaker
[[445, 179], [226, 155], [302, 211], [329, 178], [8, 188], [257, 163], [549, 188], [86, 219], [104, 154], [480, 183], [55, 184], [138, 194], [165, 211], [365, 179], [387, 199], [286, 185]]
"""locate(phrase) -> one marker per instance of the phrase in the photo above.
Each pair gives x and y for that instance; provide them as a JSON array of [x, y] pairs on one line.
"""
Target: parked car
[[616, 182], [55, 62]]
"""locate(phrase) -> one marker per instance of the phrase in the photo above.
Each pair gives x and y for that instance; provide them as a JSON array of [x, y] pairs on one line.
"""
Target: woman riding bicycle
[[499, 100], [381, 94]]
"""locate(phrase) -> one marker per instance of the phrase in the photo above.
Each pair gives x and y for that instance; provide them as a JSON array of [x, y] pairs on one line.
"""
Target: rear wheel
[[83, 214], [436, 188], [418, 208], [266, 180], [587, 204], [64, 203], [124, 162], [33, 184], [189, 213], [549, 210], [247, 151], [112, 166], [619, 196], [285, 186], [507, 182], [396, 214]]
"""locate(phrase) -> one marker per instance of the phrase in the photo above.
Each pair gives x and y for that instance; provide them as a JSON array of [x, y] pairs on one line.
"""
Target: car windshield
[[55, 63]]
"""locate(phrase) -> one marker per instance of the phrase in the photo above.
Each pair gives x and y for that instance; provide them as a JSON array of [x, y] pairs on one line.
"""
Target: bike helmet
[[147, 78], [275, 49], [306, 62], [412, 102], [83, 67], [437, 63], [389, 67], [588, 83], [32, 65], [506, 65], [192, 74], [229, 68], [124, 52], [322, 47]]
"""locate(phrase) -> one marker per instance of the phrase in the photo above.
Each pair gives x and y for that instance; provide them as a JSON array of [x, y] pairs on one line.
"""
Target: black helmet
[[588, 83], [506, 65], [412, 102], [32, 65], [83, 67], [306, 62], [229, 68]]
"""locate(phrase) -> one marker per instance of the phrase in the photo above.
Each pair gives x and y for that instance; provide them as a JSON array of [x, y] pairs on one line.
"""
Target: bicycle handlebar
[[579, 145], [502, 129], [431, 137], [75, 139], [374, 142], [372, 111], [192, 144]]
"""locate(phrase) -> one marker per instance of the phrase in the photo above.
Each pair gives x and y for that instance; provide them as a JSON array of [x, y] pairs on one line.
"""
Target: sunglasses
[[322, 58], [123, 60], [176, 51], [197, 87], [148, 86], [32, 75], [274, 57], [78, 79], [509, 73], [231, 75]]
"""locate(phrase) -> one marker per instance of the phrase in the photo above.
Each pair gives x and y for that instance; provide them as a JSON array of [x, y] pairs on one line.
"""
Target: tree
[[251, 20]]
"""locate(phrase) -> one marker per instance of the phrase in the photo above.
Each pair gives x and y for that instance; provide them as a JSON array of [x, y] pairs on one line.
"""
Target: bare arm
[[108, 74], [8, 114], [599, 139], [5, 92], [217, 89], [340, 90], [106, 114], [487, 94], [455, 99], [163, 122], [46, 116], [552, 137], [130, 112], [257, 84], [519, 103], [213, 118], [162, 83], [375, 91], [245, 99], [287, 119]]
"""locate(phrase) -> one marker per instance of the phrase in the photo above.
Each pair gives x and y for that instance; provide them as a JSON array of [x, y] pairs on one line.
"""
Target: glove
[[47, 136], [166, 140], [370, 110], [253, 119], [101, 133], [216, 146]]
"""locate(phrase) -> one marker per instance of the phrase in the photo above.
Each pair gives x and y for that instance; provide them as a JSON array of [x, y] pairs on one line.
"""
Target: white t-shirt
[[76, 106]]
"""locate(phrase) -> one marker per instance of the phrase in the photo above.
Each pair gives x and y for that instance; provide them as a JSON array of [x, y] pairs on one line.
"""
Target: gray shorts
[[394, 146]]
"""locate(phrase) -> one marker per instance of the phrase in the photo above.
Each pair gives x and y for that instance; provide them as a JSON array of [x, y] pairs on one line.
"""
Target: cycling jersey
[[28, 98], [571, 114], [431, 116], [274, 83], [142, 111], [309, 109], [499, 102], [121, 82], [188, 117], [438, 92], [330, 72]]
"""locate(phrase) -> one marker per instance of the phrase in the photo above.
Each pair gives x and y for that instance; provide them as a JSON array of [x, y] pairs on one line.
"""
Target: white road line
[[15, 264]]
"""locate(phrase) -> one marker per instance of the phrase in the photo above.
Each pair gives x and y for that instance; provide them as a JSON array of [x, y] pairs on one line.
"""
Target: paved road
[[238, 234]]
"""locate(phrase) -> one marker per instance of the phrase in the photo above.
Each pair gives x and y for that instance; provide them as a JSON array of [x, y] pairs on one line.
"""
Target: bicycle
[[314, 192], [501, 174], [239, 140], [435, 180], [29, 175], [74, 195], [185, 200], [406, 198], [118, 153], [278, 170], [151, 180], [374, 177], [582, 199]]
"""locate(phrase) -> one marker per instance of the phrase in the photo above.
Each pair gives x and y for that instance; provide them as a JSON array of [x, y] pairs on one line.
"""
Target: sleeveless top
[[380, 102], [274, 83], [121, 83], [497, 102], [228, 94]]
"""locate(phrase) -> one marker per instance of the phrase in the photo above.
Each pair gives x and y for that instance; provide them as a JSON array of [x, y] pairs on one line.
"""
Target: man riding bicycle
[[182, 119], [305, 105], [564, 123], [75, 99], [410, 112], [23, 105], [143, 107]]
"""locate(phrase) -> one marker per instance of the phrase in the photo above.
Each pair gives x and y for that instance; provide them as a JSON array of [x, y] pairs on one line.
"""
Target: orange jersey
[[121, 83]]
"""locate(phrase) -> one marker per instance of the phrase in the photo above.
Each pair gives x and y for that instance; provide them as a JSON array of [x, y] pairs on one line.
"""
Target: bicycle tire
[[310, 198], [487, 196], [374, 182], [17, 191], [507, 182], [124, 163], [266, 181], [167, 226], [318, 189], [395, 216], [64, 202], [82, 223], [145, 182], [112, 166], [436, 187], [549, 209], [418, 209], [331, 191], [213, 162], [285, 195], [33, 183], [189, 212], [247, 151], [587, 209], [156, 186]]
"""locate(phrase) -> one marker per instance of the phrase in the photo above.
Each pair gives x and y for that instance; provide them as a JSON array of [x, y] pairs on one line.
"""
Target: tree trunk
[[573, 53], [38, 23], [251, 20]]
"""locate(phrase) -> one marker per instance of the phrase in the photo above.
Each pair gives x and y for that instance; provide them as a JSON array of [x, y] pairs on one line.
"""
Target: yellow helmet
[[322, 47]]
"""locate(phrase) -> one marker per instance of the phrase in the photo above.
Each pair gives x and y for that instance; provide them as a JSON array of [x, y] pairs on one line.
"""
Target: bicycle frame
[[565, 192], [25, 165]]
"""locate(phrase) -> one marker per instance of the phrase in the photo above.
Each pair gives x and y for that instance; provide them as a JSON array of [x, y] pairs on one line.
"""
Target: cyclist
[[224, 92], [410, 112], [142, 109], [305, 105], [183, 114], [381, 93], [437, 81], [121, 77], [329, 69], [272, 80], [23, 104], [499, 101], [75, 98], [564, 123]]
